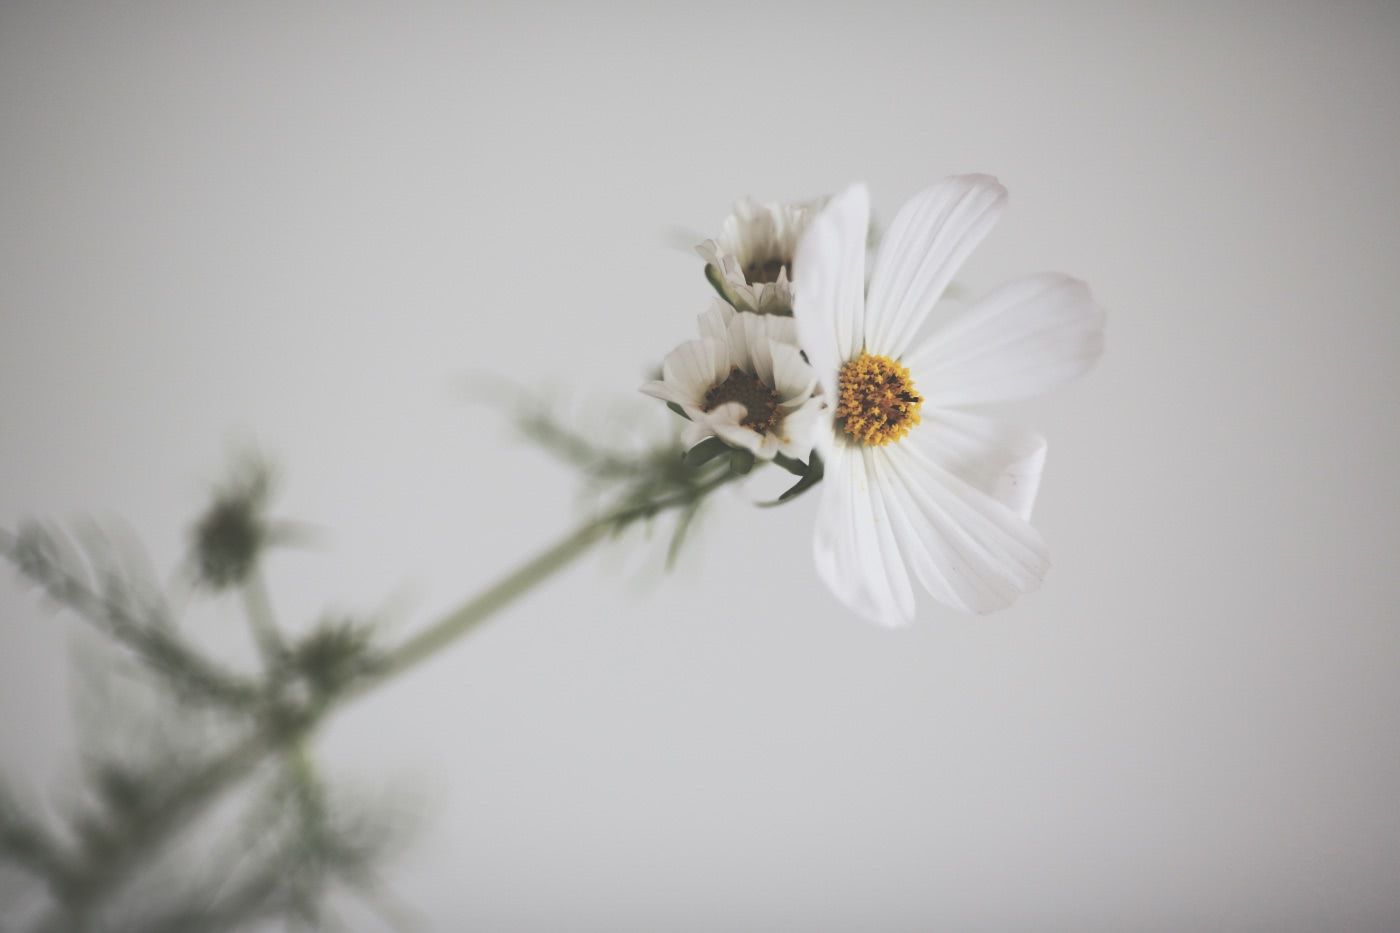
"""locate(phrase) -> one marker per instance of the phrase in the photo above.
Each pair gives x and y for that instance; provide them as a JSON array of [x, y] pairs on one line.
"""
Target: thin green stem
[[466, 617]]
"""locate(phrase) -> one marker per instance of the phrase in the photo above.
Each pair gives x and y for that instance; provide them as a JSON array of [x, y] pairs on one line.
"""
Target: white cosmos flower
[[751, 259], [745, 382], [917, 488]]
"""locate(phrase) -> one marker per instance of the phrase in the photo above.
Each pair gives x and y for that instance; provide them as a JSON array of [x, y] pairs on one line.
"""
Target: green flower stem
[[467, 617]]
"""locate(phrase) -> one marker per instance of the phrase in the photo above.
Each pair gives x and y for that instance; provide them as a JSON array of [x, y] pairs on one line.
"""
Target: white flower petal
[[931, 236], [834, 543], [782, 328], [711, 252], [714, 320], [756, 331], [667, 392], [891, 561], [694, 431], [761, 353], [829, 283], [726, 422], [847, 545], [1025, 338], [931, 554], [791, 376], [799, 429], [969, 550], [740, 338], [696, 366], [1003, 461]]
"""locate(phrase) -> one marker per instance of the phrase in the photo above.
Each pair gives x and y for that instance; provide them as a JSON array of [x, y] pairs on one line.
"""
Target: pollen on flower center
[[877, 400], [759, 400], [766, 271]]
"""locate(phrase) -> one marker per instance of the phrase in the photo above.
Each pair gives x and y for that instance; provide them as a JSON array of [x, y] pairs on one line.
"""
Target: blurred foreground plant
[[247, 734]]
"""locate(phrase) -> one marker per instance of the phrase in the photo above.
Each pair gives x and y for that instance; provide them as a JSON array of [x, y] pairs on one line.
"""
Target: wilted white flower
[[745, 382], [915, 485], [750, 263]]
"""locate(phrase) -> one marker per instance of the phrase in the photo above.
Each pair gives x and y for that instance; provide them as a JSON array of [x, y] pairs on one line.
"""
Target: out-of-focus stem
[[257, 605], [87, 884], [465, 618], [92, 883]]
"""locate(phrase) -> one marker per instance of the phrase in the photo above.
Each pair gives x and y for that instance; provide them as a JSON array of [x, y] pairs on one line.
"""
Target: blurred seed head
[[230, 535], [333, 656]]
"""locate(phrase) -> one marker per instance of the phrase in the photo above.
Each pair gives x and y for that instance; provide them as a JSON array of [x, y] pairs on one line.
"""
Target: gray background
[[301, 224]]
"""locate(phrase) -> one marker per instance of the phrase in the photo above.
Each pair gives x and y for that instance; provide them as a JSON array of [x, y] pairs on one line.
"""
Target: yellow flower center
[[759, 400], [877, 401]]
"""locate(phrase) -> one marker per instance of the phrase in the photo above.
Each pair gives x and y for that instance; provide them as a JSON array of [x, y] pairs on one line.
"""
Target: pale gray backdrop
[[300, 224]]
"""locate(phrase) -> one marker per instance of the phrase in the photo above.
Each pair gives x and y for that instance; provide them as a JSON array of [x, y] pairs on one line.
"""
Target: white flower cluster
[[806, 360]]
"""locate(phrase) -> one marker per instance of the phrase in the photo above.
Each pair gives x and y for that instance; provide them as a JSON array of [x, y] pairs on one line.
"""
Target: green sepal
[[815, 471], [704, 452], [716, 280], [678, 410], [741, 461], [795, 467]]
